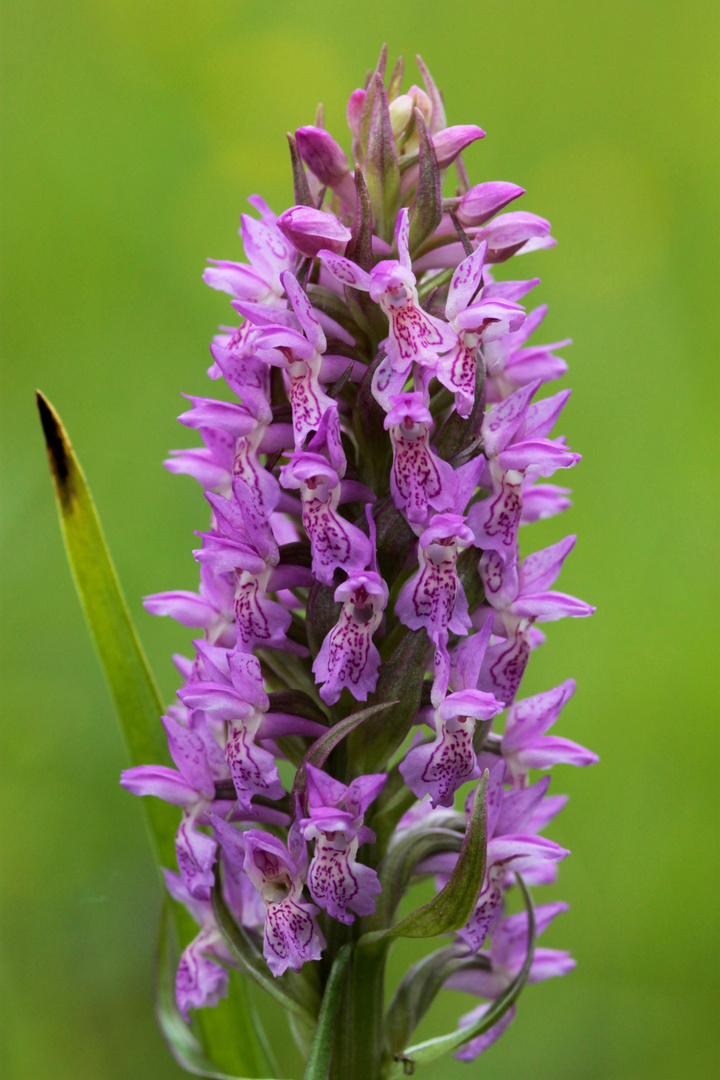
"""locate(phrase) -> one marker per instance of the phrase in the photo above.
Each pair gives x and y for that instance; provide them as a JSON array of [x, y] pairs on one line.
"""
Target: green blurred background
[[133, 132]]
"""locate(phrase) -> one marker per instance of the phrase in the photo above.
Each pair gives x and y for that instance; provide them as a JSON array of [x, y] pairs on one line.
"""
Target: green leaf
[[254, 965], [321, 749], [433, 1048], [132, 686], [417, 991], [318, 1060], [184, 1046], [397, 867], [136, 697], [454, 904]]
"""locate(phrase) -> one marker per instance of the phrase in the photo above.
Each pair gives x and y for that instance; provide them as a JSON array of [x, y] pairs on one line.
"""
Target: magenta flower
[[348, 658], [506, 956], [420, 480], [334, 541], [510, 365], [336, 879], [525, 746], [434, 597], [518, 452], [268, 253], [415, 336], [292, 936], [476, 316], [440, 768], [243, 706], [298, 347], [202, 979]]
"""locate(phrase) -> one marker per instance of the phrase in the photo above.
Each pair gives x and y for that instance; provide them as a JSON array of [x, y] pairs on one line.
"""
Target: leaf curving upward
[[434, 1048], [136, 698], [123, 661]]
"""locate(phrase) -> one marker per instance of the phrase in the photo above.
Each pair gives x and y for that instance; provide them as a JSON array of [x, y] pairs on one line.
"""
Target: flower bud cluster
[[367, 484]]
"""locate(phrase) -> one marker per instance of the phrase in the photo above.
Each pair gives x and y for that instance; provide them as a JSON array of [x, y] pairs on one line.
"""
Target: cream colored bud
[[421, 102], [400, 113]]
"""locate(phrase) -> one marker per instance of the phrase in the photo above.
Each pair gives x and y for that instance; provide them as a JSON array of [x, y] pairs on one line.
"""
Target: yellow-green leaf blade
[[131, 684]]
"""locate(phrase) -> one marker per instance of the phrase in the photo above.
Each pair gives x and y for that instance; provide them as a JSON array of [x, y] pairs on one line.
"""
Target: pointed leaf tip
[[57, 445], [131, 683], [426, 212], [382, 169]]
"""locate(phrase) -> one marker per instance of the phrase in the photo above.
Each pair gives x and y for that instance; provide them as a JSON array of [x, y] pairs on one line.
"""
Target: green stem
[[358, 1040]]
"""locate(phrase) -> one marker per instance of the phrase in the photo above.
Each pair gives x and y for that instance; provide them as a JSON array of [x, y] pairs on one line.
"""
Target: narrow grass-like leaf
[[132, 686], [184, 1046], [136, 697], [434, 1048], [453, 905], [318, 1060]]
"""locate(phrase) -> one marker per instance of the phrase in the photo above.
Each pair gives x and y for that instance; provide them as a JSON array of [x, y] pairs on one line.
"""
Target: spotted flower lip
[[440, 769], [348, 658], [337, 881], [476, 315], [367, 606], [414, 335], [420, 481]]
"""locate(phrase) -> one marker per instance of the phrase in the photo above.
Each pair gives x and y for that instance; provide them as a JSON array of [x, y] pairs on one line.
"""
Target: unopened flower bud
[[422, 102], [451, 141], [354, 111], [402, 115], [401, 109], [312, 230], [483, 201], [322, 154]]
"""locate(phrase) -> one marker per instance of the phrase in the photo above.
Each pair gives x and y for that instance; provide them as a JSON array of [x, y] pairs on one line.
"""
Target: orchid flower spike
[[367, 607]]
